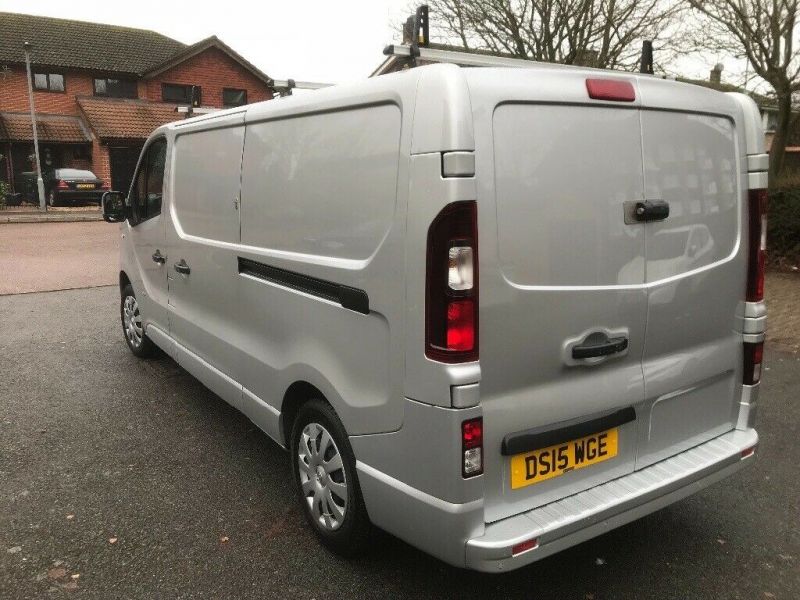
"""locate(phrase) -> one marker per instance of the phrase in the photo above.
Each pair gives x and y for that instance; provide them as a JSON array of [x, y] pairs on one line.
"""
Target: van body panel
[[695, 262], [540, 196], [204, 216], [333, 221], [558, 265]]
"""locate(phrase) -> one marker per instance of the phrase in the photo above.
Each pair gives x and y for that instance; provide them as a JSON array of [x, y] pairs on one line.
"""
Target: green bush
[[783, 229]]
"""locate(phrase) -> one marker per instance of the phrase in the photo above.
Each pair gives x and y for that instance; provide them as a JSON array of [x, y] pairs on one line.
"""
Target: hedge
[[783, 229]]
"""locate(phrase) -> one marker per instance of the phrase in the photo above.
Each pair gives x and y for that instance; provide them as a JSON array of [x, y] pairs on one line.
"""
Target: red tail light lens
[[757, 221], [451, 281], [460, 326], [105, 186], [62, 185], [616, 90], [753, 357], [472, 447]]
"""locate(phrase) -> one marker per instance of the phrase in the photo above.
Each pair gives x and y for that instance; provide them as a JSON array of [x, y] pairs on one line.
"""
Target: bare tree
[[763, 32], [599, 33]]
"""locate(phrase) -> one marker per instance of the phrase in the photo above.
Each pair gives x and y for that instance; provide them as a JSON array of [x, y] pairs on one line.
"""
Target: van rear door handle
[[651, 210], [159, 258], [604, 348], [182, 267]]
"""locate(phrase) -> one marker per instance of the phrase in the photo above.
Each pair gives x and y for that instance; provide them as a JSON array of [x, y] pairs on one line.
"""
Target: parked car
[[73, 185], [494, 312]]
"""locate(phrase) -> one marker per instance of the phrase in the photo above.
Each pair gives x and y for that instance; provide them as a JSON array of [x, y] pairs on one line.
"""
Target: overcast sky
[[311, 40], [327, 41]]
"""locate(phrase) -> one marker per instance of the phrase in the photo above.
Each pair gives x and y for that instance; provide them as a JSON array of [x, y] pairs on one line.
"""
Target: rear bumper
[[577, 518], [93, 195], [457, 534]]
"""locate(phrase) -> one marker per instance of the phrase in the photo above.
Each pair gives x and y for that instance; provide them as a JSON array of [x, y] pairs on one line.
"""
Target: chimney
[[716, 73]]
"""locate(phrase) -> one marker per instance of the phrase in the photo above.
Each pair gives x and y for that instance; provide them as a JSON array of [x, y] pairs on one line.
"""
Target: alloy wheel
[[322, 476]]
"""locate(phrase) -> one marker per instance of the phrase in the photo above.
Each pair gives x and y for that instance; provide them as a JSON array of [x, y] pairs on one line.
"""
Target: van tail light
[[62, 185], [104, 186], [757, 220], [753, 356], [451, 285], [472, 447]]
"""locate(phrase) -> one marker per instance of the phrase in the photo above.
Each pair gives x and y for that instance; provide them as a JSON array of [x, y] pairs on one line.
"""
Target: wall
[[14, 93], [213, 70]]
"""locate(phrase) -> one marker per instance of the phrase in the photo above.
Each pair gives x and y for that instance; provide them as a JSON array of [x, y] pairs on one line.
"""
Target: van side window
[[147, 190]]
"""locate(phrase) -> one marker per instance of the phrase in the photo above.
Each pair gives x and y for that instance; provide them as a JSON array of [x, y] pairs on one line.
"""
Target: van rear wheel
[[132, 327], [325, 478]]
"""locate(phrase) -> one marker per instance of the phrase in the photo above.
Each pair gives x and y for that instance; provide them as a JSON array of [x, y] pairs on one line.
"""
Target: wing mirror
[[114, 208]]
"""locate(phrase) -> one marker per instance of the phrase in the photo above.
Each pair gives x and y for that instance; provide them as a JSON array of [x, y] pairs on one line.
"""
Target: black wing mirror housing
[[114, 208]]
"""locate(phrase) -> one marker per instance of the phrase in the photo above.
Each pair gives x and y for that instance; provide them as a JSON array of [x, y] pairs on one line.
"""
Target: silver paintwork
[[458, 164], [343, 184]]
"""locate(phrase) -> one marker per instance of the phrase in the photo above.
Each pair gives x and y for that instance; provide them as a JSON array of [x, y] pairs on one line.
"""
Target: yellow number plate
[[546, 463], [85, 186]]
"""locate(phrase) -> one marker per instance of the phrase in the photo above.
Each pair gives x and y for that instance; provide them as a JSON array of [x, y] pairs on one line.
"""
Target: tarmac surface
[[124, 478]]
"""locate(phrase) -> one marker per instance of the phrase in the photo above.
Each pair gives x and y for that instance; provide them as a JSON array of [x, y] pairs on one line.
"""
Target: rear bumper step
[[582, 516]]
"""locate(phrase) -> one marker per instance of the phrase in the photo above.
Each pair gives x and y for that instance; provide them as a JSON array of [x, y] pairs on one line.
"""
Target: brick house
[[100, 90]]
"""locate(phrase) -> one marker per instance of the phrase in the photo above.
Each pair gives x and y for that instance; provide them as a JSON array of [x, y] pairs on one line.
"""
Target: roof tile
[[81, 45], [116, 118], [16, 127]]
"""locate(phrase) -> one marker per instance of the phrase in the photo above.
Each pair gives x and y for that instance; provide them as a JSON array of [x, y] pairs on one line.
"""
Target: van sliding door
[[202, 269]]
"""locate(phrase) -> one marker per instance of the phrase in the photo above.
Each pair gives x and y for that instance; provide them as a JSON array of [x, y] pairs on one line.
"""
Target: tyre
[[324, 469], [52, 200], [135, 337]]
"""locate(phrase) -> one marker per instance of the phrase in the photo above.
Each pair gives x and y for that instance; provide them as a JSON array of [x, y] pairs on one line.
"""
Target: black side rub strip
[[542, 437], [350, 298]]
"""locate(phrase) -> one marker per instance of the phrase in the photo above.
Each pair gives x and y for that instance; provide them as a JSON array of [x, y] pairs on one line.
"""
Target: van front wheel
[[135, 336], [324, 471]]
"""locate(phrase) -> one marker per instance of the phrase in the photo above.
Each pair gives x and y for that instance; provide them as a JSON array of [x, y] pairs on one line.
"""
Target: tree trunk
[[778, 148]]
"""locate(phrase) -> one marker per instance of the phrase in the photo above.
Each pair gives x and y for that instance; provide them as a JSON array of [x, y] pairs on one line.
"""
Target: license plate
[[85, 186], [545, 463]]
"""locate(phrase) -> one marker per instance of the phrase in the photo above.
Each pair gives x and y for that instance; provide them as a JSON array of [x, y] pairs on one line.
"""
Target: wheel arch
[[297, 394], [123, 281]]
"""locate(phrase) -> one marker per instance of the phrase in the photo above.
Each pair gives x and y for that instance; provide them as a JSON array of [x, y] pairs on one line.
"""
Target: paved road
[[57, 256], [98, 446]]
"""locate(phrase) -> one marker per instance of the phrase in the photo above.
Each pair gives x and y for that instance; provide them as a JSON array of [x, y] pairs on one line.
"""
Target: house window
[[181, 94], [115, 88], [234, 97], [51, 82], [771, 123]]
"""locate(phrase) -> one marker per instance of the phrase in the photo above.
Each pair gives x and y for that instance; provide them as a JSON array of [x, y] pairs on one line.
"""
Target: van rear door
[[695, 268], [563, 280]]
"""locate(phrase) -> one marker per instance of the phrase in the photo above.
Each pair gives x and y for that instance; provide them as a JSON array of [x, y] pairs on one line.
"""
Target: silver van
[[494, 312]]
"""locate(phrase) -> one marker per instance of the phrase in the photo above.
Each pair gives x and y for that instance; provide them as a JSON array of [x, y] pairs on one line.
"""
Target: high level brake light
[[451, 299], [757, 221], [615, 90]]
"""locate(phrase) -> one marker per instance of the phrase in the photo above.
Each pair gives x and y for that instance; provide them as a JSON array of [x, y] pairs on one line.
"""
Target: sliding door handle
[[182, 267], [159, 258]]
